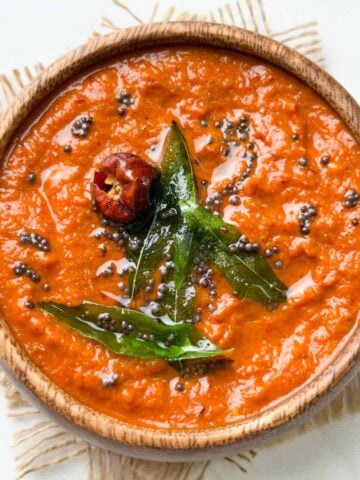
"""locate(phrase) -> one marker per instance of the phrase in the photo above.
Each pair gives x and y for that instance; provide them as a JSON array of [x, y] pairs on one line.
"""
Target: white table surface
[[39, 31]]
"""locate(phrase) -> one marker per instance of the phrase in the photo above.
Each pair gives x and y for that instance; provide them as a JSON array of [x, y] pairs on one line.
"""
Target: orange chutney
[[305, 156]]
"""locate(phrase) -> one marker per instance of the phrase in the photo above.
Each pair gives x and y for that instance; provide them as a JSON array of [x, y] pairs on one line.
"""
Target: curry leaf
[[249, 274], [183, 240], [184, 276], [170, 233], [157, 244], [201, 219], [186, 341], [176, 170]]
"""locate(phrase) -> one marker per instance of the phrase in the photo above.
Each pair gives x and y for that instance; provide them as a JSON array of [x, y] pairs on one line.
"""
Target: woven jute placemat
[[41, 445]]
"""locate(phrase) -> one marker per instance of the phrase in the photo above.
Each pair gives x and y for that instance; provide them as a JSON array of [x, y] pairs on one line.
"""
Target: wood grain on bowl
[[199, 442]]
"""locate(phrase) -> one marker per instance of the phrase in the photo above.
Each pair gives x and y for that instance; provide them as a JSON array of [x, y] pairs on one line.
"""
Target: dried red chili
[[124, 187]]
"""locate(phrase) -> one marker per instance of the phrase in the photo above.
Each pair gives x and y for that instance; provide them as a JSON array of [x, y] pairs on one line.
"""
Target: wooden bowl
[[161, 444]]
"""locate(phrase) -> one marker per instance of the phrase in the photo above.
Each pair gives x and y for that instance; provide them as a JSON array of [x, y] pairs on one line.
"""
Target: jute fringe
[[248, 14], [39, 443]]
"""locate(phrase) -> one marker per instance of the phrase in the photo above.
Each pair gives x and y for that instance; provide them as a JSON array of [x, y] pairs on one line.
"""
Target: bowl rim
[[299, 401]]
